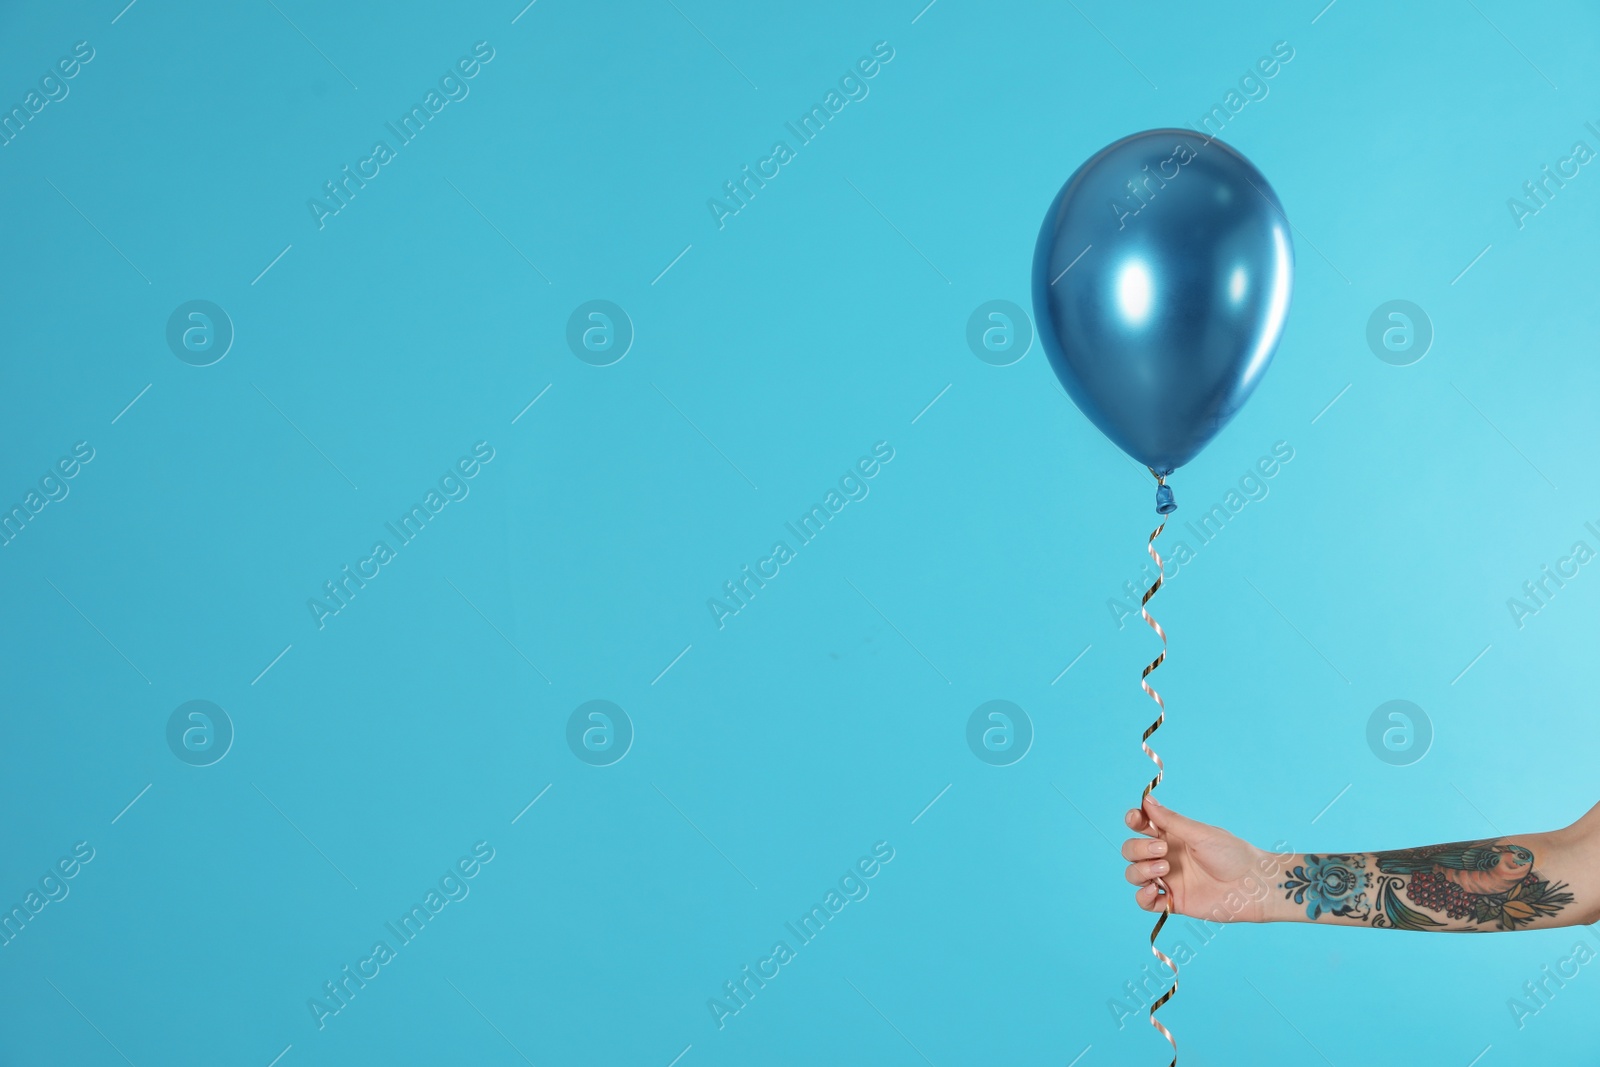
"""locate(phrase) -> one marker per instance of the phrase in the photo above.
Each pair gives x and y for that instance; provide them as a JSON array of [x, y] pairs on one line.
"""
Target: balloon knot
[[1165, 504]]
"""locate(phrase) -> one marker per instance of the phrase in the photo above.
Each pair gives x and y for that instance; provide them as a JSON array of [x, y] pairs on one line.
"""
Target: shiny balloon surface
[[1161, 284]]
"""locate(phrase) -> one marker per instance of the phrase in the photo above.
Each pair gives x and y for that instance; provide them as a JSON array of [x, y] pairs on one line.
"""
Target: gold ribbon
[[1144, 743]]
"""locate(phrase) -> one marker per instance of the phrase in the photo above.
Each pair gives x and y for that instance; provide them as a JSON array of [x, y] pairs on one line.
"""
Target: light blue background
[[773, 753]]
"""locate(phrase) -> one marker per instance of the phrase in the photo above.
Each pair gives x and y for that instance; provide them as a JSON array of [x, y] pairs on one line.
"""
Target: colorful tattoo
[[1472, 884]]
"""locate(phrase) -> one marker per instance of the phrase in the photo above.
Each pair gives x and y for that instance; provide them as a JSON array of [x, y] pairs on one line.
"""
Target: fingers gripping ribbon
[[1144, 743]]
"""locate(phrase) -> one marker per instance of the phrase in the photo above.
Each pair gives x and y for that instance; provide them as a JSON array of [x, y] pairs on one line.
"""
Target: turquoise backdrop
[[245, 346]]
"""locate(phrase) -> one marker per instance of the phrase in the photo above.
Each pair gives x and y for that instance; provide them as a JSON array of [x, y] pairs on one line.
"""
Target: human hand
[[1209, 873]]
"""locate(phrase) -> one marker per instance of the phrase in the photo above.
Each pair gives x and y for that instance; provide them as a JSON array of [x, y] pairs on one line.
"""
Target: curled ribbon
[[1144, 743]]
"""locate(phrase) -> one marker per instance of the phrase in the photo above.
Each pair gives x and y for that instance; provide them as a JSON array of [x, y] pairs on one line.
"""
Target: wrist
[[1270, 869]]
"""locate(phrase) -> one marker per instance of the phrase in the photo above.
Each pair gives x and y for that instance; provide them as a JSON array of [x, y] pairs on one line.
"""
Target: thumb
[[1168, 821]]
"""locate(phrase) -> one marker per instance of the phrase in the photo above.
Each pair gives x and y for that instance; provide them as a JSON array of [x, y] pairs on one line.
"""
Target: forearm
[[1508, 883]]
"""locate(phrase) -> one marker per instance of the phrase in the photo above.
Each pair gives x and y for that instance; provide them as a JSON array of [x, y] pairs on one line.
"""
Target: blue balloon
[[1161, 285]]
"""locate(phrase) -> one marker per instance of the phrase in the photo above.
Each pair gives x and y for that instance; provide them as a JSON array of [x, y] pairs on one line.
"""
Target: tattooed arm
[[1502, 883]]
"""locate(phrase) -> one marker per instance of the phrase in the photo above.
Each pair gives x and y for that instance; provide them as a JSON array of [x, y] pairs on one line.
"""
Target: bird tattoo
[[1476, 868], [1465, 885]]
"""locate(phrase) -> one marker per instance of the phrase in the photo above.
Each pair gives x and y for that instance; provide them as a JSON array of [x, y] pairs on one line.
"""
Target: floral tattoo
[[1474, 885]]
